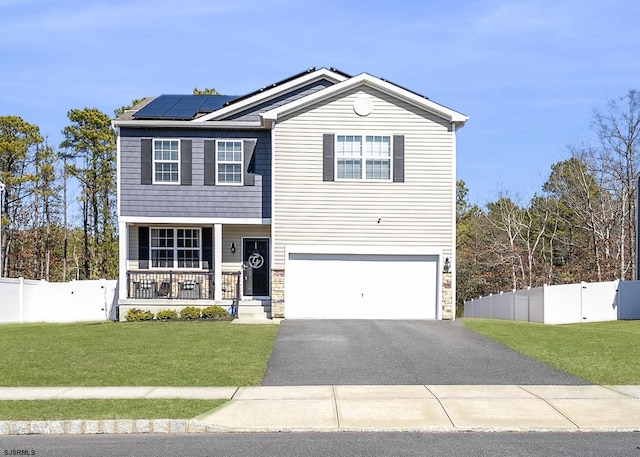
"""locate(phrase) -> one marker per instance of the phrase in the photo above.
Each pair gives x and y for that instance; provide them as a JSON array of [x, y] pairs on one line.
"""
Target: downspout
[[123, 229], [118, 165], [273, 188], [453, 221], [272, 244], [638, 227]]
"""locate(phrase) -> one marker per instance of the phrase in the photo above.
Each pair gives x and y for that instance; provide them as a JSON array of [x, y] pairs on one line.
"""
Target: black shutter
[[207, 248], [398, 158], [209, 162], [146, 162], [185, 162], [143, 248], [249, 162], [328, 141]]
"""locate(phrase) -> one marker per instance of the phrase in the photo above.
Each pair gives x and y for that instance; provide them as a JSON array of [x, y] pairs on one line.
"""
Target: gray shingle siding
[[195, 200]]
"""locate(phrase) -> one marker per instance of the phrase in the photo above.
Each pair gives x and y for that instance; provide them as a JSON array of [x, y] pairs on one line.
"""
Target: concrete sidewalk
[[79, 393], [430, 408], [362, 408]]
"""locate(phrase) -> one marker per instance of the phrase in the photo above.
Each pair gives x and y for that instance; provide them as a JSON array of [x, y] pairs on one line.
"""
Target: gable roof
[[275, 90], [285, 81], [195, 110], [366, 79]]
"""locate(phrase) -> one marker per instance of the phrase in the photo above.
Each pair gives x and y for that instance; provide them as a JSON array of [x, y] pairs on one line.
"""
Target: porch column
[[217, 261], [123, 255]]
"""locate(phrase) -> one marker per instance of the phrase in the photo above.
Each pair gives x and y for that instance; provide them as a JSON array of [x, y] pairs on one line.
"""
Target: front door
[[256, 268]]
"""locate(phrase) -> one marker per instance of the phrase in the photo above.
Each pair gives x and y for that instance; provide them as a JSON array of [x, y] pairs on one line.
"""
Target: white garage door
[[360, 286]]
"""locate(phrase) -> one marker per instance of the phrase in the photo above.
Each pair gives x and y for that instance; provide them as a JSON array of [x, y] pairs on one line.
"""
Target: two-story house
[[333, 195]]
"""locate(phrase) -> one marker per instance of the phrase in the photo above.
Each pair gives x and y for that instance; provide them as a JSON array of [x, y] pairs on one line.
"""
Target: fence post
[[170, 283], [21, 298], [238, 293]]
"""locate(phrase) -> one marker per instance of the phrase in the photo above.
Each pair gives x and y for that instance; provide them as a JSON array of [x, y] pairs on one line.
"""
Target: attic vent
[[363, 105]]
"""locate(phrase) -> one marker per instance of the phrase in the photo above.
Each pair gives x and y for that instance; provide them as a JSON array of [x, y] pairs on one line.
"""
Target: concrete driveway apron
[[388, 352]]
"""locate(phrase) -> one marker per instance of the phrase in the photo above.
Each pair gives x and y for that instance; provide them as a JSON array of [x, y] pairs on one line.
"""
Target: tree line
[[581, 226], [41, 237], [46, 231]]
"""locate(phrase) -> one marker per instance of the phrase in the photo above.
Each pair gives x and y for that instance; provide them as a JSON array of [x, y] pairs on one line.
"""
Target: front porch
[[157, 291], [172, 265], [181, 285]]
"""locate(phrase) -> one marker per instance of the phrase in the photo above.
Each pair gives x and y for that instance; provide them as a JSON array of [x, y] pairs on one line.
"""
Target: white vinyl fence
[[562, 304], [23, 300]]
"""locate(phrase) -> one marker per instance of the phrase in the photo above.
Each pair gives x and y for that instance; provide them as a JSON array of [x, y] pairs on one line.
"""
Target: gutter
[[236, 125]]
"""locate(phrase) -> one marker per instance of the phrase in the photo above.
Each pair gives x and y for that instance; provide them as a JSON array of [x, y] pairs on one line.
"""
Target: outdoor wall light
[[233, 247], [447, 265]]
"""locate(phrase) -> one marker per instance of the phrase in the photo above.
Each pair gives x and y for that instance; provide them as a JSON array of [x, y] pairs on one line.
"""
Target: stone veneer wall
[[447, 296], [277, 293]]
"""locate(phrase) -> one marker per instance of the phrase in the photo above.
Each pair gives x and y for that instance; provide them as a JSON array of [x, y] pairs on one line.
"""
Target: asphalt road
[[387, 352], [327, 444]]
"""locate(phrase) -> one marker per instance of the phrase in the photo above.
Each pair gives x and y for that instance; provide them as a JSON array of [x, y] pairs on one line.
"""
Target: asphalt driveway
[[387, 352]]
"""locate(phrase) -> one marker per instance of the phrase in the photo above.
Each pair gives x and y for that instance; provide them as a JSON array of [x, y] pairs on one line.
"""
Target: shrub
[[215, 312], [167, 314], [135, 314], [190, 312]]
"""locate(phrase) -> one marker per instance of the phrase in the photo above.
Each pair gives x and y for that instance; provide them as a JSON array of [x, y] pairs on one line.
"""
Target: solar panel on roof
[[182, 107], [218, 102]]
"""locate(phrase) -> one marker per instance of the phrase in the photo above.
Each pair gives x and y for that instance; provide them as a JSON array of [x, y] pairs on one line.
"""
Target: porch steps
[[254, 311]]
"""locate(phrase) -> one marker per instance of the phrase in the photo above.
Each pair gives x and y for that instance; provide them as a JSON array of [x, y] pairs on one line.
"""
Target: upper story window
[[229, 154], [363, 157], [175, 248], [166, 161], [378, 157]]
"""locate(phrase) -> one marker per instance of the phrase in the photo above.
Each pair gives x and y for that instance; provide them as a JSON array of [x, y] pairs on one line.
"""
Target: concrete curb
[[189, 426], [97, 427]]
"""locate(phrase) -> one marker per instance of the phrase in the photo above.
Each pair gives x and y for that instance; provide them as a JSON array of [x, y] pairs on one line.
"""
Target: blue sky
[[528, 73]]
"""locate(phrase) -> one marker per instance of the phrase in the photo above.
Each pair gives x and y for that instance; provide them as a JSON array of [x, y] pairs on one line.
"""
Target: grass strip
[[191, 354], [602, 352], [23, 410]]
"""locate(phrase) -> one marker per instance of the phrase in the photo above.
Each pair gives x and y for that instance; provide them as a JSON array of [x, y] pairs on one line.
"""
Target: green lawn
[[20, 410], [603, 353], [135, 354]]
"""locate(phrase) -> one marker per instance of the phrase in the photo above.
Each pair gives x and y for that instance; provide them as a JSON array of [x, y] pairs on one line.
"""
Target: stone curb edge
[[189, 426], [96, 427]]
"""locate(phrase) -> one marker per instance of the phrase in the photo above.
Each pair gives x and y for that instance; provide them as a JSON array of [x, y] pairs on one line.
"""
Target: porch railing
[[182, 285]]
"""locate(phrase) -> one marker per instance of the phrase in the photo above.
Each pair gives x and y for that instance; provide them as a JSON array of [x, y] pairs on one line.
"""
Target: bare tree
[[618, 131], [506, 219]]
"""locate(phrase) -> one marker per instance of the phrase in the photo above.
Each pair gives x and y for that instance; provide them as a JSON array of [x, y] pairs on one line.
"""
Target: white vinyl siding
[[416, 212]]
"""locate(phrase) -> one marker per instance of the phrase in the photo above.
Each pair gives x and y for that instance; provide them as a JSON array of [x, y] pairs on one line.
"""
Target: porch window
[[175, 248], [369, 152], [166, 161], [229, 155]]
